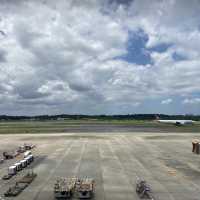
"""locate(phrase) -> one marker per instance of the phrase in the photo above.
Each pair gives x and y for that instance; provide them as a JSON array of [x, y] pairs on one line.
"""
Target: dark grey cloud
[[122, 2], [29, 91], [79, 87], [25, 34], [2, 32], [31, 94], [3, 54]]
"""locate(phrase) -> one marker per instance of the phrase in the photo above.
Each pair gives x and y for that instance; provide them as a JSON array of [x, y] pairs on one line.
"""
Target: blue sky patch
[[136, 51], [161, 47]]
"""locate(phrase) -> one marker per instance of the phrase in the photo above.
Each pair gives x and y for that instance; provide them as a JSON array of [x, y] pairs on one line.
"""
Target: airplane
[[175, 122]]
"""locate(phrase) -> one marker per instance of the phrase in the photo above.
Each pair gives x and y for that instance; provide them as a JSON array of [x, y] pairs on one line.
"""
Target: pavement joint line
[[139, 163], [129, 154], [52, 171], [81, 157], [121, 166], [179, 175], [99, 154]]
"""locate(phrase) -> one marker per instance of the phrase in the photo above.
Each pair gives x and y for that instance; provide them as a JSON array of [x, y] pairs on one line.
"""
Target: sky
[[99, 57]]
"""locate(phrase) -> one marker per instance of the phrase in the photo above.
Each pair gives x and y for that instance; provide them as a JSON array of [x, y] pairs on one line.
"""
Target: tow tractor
[[143, 190]]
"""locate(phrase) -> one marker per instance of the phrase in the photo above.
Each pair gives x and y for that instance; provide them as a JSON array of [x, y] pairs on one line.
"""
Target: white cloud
[[191, 101], [166, 101], [61, 57]]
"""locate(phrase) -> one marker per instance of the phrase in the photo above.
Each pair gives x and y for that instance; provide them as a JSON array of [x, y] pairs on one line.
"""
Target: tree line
[[101, 117]]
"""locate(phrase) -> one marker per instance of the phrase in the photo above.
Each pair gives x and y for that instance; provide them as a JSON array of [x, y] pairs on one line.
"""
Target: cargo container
[[28, 161], [31, 158], [18, 166], [23, 163], [12, 170]]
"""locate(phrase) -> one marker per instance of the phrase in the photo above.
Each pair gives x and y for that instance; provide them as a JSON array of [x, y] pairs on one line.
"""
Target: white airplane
[[177, 122]]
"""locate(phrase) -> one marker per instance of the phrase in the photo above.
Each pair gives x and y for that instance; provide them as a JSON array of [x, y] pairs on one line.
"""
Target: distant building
[[60, 119]]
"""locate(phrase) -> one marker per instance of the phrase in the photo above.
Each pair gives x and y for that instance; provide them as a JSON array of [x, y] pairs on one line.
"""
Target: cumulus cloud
[[68, 56], [166, 101], [191, 101]]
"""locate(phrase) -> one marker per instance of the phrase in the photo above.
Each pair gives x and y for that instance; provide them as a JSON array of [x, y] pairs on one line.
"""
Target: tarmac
[[114, 160]]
